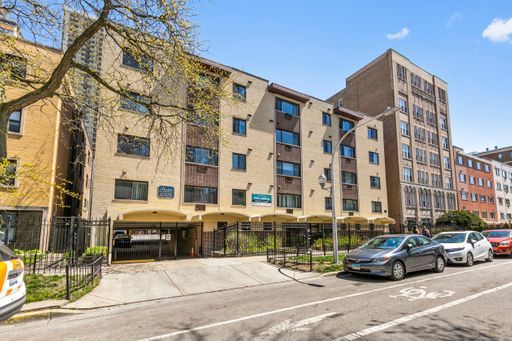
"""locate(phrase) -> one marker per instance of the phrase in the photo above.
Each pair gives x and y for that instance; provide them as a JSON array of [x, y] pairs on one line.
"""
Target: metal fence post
[[35, 262], [214, 244], [68, 282], [237, 236], [160, 242], [225, 233], [349, 238], [323, 238], [275, 240], [310, 260]]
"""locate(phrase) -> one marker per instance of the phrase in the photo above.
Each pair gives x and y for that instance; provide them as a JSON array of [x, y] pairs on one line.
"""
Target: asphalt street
[[460, 304]]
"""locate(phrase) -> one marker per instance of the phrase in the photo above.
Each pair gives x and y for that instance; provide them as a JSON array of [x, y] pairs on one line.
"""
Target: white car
[[465, 247]]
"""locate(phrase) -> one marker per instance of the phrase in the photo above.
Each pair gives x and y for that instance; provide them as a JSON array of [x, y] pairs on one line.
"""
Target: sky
[[313, 46]]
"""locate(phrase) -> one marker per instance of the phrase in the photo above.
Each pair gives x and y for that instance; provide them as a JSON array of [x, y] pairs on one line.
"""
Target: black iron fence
[[68, 246], [298, 257], [254, 239]]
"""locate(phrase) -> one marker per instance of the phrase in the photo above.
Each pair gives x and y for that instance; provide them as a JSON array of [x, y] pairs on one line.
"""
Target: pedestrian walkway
[[129, 283]]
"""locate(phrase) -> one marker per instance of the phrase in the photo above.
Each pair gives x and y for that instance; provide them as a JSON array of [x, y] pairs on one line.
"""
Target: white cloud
[[499, 31], [404, 32], [453, 19]]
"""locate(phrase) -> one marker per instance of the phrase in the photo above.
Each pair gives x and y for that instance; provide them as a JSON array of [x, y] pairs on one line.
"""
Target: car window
[[422, 241], [471, 236], [412, 242], [5, 253], [479, 237]]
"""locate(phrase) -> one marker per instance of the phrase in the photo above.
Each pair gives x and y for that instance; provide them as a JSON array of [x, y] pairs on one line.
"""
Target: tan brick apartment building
[[475, 185], [276, 142], [41, 147], [419, 165]]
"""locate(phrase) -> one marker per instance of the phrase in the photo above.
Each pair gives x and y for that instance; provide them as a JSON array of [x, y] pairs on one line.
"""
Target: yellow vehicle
[[12, 287]]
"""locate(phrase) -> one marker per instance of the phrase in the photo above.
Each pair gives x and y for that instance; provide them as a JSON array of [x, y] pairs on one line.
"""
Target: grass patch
[[321, 264], [40, 287]]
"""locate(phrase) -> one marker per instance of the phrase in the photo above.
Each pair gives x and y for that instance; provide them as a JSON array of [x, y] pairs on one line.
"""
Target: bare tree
[[172, 85]]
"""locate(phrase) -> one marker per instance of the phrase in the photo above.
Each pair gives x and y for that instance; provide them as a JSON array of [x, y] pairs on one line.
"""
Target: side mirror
[[472, 241], [407, 247]]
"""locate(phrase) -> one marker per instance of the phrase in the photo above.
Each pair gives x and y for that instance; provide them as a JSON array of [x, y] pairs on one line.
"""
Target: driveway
[[129, 283]]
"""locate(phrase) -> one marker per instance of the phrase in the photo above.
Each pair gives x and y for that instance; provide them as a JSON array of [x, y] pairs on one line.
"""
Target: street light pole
[[334, 176]]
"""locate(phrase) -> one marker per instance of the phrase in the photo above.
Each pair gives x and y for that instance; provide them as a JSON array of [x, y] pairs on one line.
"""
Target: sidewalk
[[130, 283]]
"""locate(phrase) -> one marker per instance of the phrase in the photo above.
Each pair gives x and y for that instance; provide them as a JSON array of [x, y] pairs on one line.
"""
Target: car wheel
[[469, 259], [440, 264], [490, 257], [397, 271]]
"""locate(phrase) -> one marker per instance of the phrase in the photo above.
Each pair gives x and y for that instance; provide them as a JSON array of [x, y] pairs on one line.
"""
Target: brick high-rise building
[[475, 185], [419, 165]]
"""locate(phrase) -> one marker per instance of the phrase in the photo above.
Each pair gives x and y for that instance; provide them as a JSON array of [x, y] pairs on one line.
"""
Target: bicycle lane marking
[[309, 304], [408, 318]]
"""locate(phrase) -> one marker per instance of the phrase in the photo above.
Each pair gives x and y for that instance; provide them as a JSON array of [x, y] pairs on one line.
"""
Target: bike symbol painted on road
[[413, 294]]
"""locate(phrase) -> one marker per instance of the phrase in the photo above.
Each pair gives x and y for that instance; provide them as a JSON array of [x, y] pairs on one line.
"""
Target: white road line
[[408, 318], [309, 304]]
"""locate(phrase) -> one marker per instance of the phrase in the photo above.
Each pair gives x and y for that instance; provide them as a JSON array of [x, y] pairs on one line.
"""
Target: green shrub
[[95, 251], [462, 219]]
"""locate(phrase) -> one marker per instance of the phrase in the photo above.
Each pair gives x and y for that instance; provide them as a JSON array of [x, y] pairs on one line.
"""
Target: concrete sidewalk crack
[[170, 280], [260, 282]]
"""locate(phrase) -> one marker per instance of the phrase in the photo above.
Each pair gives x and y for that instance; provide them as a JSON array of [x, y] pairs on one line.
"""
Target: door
[[428, 251], [415, 257], [481, 245]]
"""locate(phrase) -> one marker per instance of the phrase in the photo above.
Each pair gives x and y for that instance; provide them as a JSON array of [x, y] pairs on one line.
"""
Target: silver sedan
[[465, 247]]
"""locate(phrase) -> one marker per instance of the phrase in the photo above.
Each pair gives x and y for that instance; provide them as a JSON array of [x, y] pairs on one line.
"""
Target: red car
[[501, 241]]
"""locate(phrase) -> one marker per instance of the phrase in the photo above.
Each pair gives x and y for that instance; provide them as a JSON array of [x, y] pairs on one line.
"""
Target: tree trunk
[[4, 126]]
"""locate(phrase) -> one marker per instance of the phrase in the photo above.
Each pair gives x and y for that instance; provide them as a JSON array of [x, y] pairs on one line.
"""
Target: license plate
[[356, 266]]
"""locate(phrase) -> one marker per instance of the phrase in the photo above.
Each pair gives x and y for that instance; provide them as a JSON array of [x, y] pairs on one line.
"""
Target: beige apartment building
[[419, 166], [275, 143]]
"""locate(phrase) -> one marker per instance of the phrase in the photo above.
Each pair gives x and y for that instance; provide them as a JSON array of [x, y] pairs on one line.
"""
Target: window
[[464, 195], [491, 200], [460, 160], [327, 173], [408, 174], [402, 103], [487, 168], [404, 128], [448, 183], [373, 133], [133, 145], [431, 118], [135, 102], [483, 199], [374, 182], [238, 197], [202, 195], [239, 92], [498, 186], [419, 134], [349, 205], [145, 64], [445, 143], [428, 88], [474, 197], [472, 180], [328, 203], [131, 190], [480, 182], [239, 161], [416, 80], [401, 72], [435, 160], [489, 183], [421, 155], [374, 157], [484, 215], [289, 200], [15, 66], [8, 174], [287, 107], [417, 112], [447, 162], [406, 151], [422, 177], [442, 95], [478, 165], [326, 119], [444, 122], [376, 207], [433, 139], [239, 126], [436, 180], [203, 156], [288, 168], [347, 151], [346, 125], [287, 137], [15, 122], [462, 177], [348, 178], [327, 146]]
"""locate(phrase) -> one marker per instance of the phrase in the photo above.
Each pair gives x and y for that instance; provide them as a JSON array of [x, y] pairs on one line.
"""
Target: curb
[[38, 314]]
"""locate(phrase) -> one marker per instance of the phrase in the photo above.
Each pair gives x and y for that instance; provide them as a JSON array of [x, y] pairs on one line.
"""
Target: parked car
[[394, 256], [465, 247], [501, 241], [12, 286]]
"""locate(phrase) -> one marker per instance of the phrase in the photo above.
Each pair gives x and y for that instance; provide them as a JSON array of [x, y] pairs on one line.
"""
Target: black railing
[[82, 272], [298, 257]]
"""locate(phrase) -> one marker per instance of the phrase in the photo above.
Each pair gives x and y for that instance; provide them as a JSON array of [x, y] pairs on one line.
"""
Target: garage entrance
[[136, 241]]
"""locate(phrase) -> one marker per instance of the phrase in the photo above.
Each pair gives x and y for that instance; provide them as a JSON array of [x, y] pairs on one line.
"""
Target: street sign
[[261, 200], [165, 192]]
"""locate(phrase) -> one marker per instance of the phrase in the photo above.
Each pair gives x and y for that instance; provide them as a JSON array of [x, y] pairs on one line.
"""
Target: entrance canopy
[[383, 220], [153, 215], [235, 215], [314, 218], [354, 220]]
